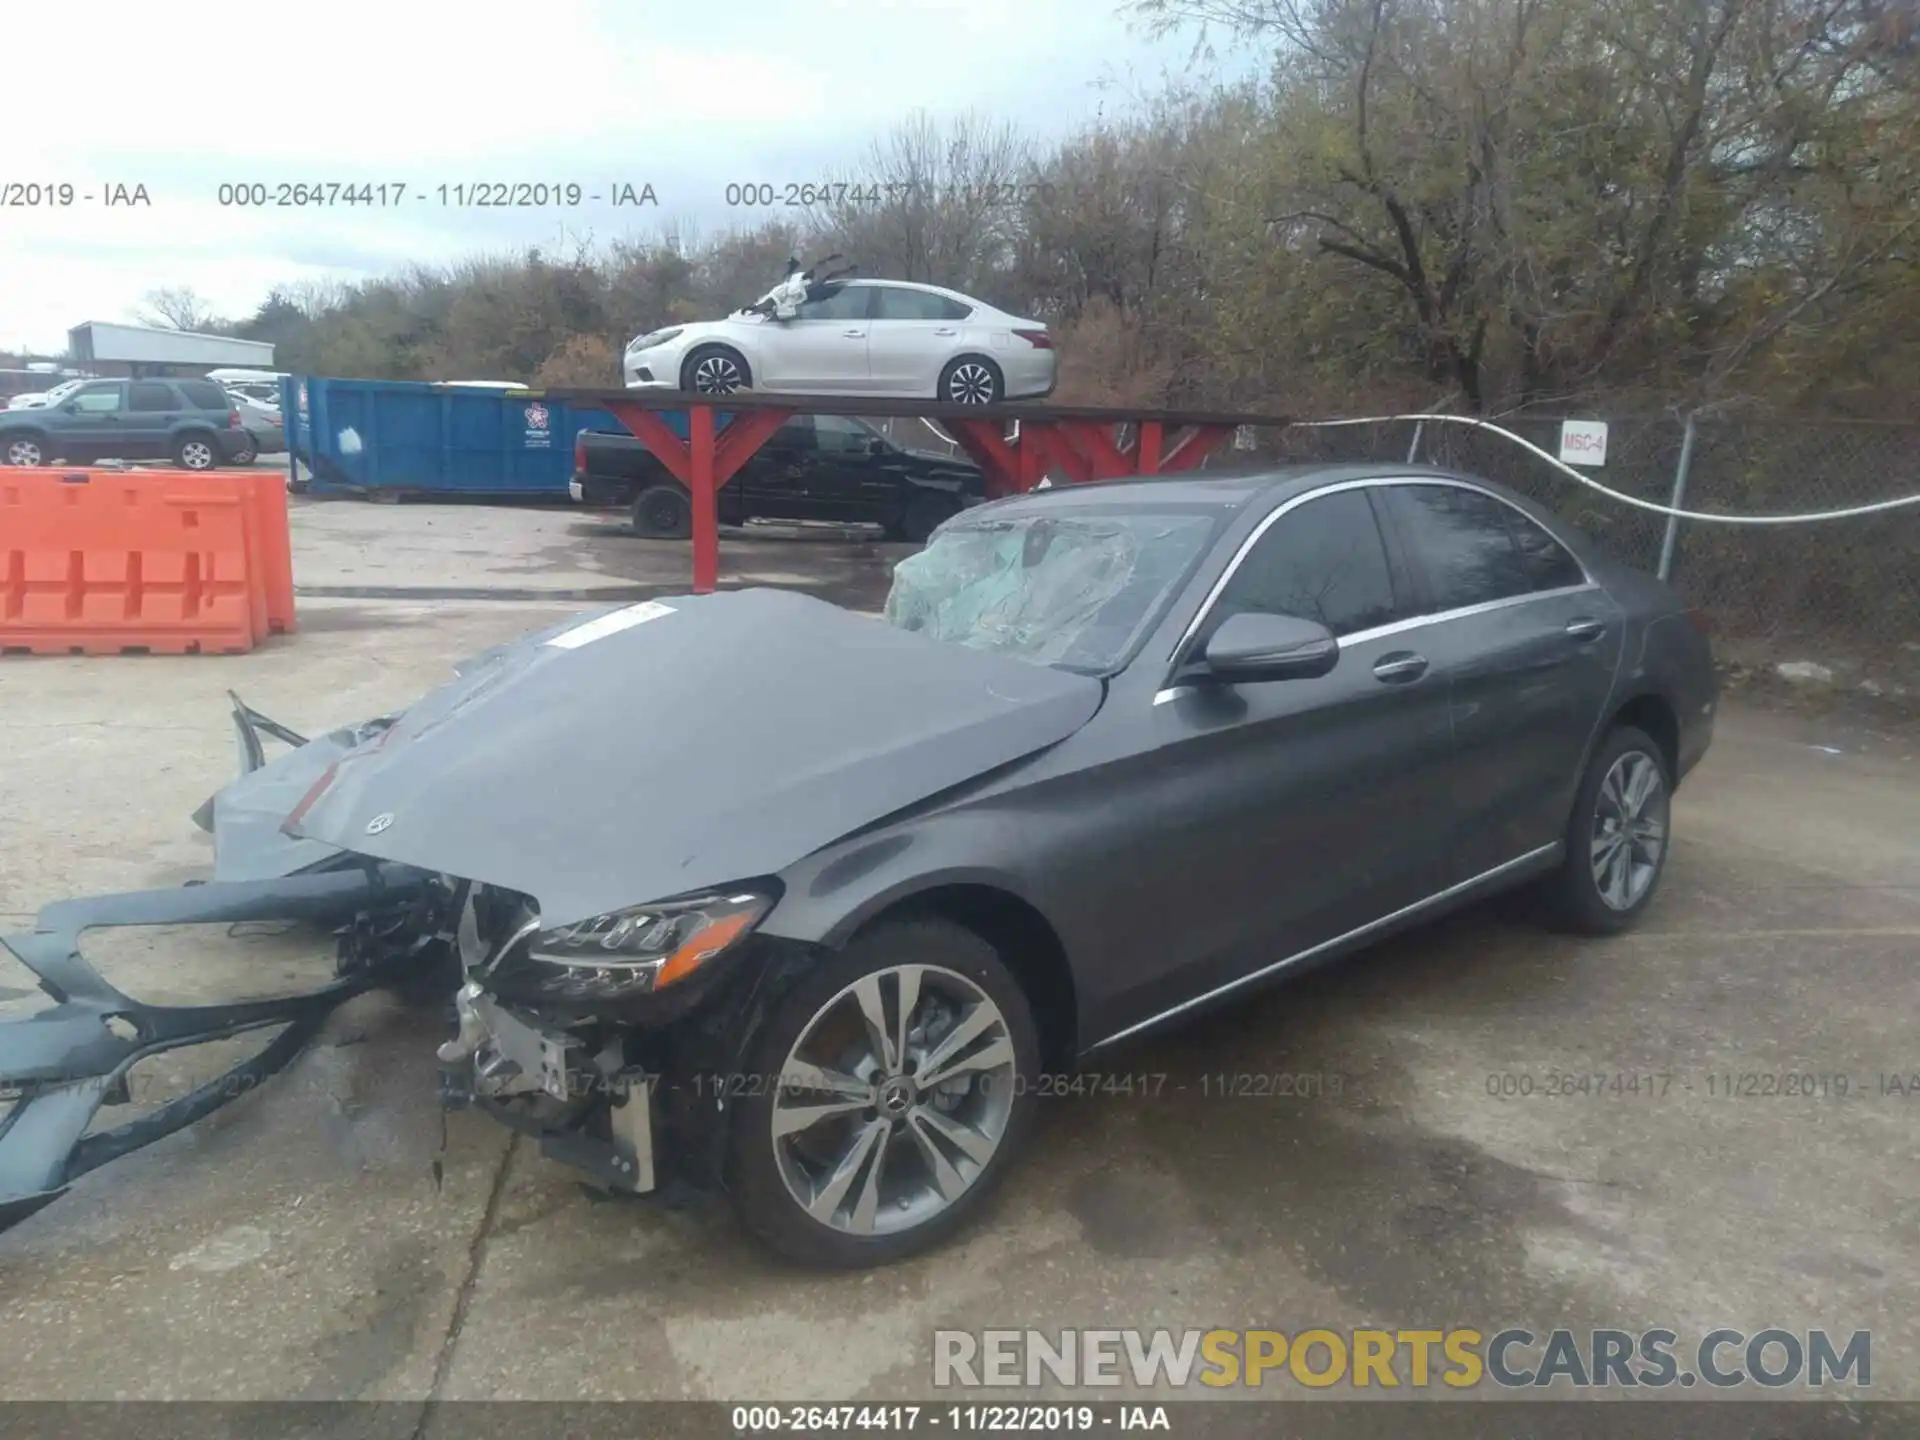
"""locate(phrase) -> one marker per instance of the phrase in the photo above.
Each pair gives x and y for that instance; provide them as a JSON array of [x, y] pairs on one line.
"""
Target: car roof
[[1227, 489]]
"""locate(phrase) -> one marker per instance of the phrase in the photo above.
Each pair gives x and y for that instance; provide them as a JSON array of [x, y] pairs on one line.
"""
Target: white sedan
[[861, 337]]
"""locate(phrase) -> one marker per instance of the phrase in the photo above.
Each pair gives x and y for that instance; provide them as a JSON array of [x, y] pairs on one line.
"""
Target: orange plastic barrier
[[169, 561], [272, 546]]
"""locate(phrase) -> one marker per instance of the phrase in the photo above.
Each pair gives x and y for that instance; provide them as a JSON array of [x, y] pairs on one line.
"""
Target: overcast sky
[[681, 95]]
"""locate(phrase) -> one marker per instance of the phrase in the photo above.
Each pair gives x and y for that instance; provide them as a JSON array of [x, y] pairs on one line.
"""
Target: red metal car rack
[[1080, 443]]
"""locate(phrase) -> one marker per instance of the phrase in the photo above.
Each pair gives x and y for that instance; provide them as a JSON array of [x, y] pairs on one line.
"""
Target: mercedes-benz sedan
[[787, 903]]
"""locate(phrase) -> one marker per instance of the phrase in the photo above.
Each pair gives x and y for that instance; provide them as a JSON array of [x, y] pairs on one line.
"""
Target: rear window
[[204, 395], [898, 304]]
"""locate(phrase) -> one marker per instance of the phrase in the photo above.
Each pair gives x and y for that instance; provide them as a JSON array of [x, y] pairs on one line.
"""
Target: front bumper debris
[[589, 1110], [60, 1065]]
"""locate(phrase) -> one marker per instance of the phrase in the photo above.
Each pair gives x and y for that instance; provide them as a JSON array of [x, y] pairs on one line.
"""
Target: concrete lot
[[298, 1245]]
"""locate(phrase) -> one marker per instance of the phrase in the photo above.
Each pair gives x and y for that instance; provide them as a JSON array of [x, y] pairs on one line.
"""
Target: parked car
[[40, 399], [814, 467], [192, 422], [265, 432], [798, 906], [861, 337], [260, 392]]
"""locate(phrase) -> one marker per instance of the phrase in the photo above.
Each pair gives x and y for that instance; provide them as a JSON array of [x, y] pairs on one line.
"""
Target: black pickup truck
[[814, 467]]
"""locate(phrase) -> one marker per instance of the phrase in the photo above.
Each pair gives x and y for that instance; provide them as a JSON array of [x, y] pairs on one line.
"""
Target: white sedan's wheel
[[971, 380]]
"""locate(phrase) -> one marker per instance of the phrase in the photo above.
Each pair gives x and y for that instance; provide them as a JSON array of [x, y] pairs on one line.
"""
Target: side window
[[150, 395], [795, 434], [895, 303], [205, 395], [849, 302], [1462, 539], [841, 434], [96, 399], [1324, 561], [1550, 565]]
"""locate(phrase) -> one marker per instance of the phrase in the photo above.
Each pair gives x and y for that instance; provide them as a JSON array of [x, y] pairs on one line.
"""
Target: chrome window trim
[[1410, 622], [1438, 617], [1355, 934]]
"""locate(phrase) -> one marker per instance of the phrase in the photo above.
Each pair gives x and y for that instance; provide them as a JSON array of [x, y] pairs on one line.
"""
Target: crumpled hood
[[680, 744]]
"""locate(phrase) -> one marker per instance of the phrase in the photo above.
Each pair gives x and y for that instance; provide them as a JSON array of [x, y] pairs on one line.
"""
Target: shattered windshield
[[1075, 590]]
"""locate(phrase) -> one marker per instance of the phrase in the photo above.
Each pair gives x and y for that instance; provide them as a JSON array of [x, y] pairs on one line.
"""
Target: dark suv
[[191, 422]]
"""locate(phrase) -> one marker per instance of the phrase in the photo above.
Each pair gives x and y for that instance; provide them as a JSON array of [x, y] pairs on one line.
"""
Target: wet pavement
[[1375, 1144]]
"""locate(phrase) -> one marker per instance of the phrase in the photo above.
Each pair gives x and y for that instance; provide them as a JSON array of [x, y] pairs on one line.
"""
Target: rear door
[[153, 408], [823, 349], [1530, 644], [914, 334]]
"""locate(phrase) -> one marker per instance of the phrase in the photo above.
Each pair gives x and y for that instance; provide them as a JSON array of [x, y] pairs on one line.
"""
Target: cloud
[[685, 97]]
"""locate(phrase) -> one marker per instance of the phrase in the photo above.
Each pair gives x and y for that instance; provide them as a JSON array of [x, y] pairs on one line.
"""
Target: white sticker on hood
[[610, 624]]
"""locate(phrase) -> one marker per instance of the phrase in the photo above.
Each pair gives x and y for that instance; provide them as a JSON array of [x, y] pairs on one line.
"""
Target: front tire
[[716, 370], [247, 453], [921, 516], [27, 450], [196, 452], [1618, 838], [898, 1078], [663, 512], [972, 380]]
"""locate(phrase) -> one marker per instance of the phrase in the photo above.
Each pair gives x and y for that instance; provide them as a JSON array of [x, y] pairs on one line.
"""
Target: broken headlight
[[642, 948]]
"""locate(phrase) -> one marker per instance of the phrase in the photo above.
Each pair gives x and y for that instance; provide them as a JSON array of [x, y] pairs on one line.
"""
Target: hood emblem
[[379, 823]]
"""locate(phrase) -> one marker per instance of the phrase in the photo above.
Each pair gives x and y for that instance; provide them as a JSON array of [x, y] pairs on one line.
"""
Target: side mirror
[[1250, 647], [72, 407]]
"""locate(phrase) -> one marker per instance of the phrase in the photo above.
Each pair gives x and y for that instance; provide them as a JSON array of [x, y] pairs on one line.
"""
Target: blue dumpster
[[411, 437]]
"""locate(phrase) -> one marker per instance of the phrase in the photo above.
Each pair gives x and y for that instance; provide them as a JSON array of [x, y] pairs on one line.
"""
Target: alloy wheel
[[717, 375], [894, 1100], [1629, 838], [23, 452], [970, 384], [196, 455]]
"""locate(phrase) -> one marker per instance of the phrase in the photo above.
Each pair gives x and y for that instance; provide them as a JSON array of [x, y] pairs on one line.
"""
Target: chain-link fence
[[1852, 584]]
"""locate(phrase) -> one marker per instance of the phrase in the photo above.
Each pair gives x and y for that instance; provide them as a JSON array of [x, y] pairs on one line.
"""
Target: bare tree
[[177, 308], [931, 202]]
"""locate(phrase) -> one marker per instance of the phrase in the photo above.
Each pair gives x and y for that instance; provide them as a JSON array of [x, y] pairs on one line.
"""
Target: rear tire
[[663, 512], [971, 380], [716, 370], [939, 1152], [196, 452], [27, 448], [1617, 839]]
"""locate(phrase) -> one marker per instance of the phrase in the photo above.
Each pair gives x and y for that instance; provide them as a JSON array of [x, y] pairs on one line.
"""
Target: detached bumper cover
[[59, 1066]]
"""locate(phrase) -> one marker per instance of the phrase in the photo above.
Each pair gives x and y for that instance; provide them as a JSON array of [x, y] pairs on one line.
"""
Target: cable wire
[[1876, 508]]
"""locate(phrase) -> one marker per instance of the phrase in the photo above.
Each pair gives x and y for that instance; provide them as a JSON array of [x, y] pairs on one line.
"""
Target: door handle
[[853, 334], [1399, 667], [1586, 628], [946, 330]]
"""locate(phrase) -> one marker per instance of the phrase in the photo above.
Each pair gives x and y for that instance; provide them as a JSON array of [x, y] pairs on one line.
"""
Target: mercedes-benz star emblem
[[379, 823]]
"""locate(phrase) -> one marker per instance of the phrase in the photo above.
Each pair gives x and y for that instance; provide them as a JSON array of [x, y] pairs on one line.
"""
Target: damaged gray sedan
[[750, 894]]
